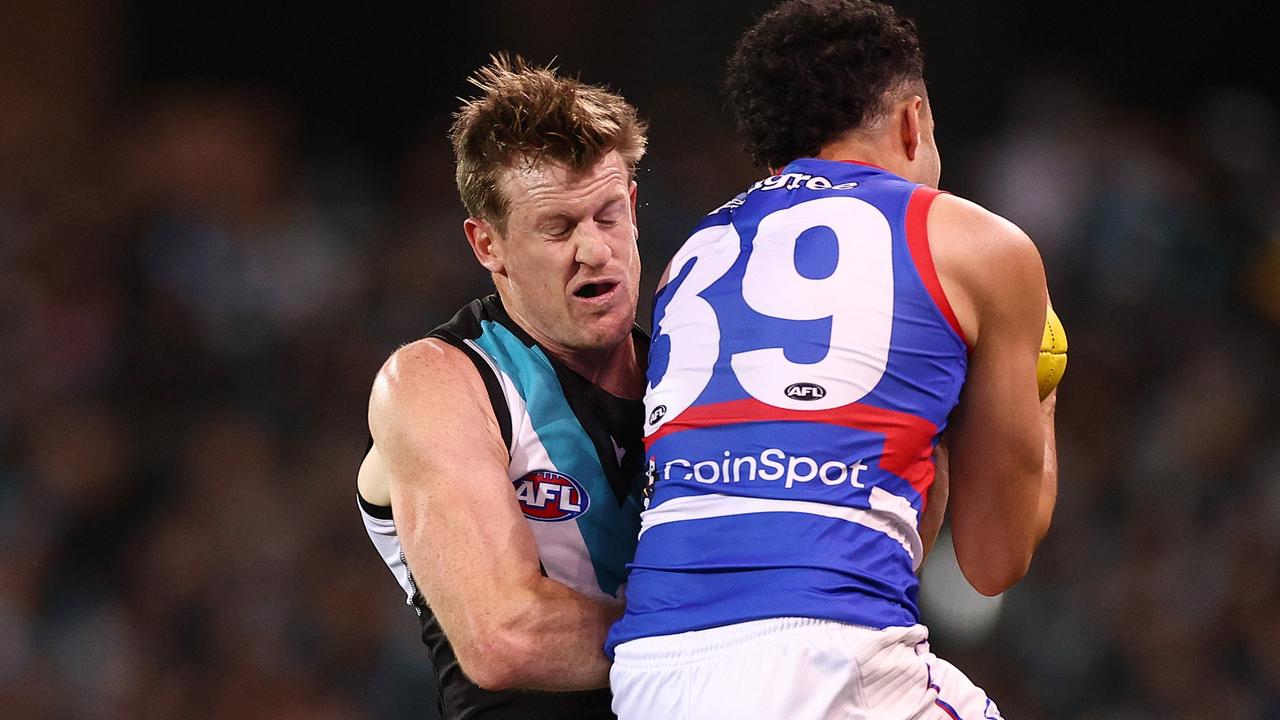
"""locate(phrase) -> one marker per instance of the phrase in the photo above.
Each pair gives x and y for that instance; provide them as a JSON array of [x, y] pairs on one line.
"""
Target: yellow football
[[1053, 354]]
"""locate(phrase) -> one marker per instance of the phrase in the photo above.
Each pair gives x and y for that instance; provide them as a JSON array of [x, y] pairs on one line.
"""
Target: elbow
[[992, 574], [993, 584], [997, 526], [495, 660], [489, 673], [994, 563], [491, 676]]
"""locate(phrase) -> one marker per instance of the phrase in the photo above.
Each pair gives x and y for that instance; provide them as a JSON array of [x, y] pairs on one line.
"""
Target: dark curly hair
[[810, 70]]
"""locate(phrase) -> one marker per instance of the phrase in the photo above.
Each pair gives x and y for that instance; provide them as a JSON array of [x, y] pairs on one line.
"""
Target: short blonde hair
[[529, 114]]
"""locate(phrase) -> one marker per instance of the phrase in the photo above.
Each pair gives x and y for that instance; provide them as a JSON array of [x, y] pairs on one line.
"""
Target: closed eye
[[611, 213], [559, 231]]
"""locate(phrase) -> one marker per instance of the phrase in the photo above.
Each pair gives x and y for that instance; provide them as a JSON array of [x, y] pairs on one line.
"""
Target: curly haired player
[[814, 339]]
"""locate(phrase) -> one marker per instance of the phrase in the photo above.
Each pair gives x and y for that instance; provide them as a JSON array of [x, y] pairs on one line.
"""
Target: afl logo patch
[[549, 496], [805, 391], [657, 414]]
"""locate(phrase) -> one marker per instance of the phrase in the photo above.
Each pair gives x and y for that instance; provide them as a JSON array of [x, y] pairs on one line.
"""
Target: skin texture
[[998, 471], [438, 455], [565, 230]]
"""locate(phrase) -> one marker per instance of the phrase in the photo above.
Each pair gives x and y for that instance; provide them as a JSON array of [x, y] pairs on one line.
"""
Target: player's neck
[[617, 371], [870, 151]]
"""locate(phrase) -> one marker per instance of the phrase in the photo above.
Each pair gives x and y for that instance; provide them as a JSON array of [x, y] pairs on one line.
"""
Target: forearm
[[562, 639], [510, 626], [998, 492], [1049, 479], [536, 635]]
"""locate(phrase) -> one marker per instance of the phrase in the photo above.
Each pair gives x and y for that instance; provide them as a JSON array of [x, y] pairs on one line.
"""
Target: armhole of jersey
[[378, 512], [491, 385], [917, 228]]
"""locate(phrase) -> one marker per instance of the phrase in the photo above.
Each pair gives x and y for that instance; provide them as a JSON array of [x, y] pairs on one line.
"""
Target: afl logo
[[657, 414], [805, 391], [549, 496]]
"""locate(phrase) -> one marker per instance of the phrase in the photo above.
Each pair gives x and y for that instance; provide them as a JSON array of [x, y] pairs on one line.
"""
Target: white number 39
[[857, 296]]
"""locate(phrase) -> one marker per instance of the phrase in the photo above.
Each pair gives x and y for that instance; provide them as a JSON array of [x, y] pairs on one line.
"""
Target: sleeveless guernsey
[[577, 473], [803, 366]]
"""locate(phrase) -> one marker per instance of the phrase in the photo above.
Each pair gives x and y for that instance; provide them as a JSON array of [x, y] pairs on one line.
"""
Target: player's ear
[[485, 243], [634, 187], [910, 125]]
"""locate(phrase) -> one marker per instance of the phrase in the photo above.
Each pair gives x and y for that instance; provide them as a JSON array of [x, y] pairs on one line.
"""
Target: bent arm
[[470, 549], [1001, 463]]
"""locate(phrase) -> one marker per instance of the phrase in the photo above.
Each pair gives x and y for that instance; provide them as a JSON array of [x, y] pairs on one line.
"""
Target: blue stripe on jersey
[[691, 575], [608, 528]]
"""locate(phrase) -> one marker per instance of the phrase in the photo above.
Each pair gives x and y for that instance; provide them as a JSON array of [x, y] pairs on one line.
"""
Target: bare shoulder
[[987, 265], [965, 234], [424, 360], [423, 370], [427, 386]]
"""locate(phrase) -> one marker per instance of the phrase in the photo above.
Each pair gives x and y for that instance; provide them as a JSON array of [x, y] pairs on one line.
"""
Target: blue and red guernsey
[[804, 363]]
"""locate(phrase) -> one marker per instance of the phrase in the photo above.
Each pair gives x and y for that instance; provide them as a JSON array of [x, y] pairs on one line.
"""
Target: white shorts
[[792, 669]]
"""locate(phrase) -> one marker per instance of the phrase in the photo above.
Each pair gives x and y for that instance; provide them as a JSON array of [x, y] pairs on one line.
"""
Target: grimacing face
[[567, 265]]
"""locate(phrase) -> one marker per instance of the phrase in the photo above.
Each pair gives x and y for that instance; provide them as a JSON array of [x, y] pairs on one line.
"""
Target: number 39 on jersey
[[813, 282]]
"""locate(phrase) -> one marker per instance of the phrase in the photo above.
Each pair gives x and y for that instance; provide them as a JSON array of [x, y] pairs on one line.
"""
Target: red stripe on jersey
[[918, 244], [908, 439], [864, 164]]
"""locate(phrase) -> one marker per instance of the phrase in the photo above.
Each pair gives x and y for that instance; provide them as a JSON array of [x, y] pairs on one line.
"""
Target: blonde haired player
[[507, 442]]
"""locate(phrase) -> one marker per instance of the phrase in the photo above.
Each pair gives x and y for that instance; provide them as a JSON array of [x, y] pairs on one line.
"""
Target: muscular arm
[[1002, 464], [470, 549], [935, 510]]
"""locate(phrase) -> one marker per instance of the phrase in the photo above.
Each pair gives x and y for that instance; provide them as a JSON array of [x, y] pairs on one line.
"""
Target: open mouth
[[591, 290]]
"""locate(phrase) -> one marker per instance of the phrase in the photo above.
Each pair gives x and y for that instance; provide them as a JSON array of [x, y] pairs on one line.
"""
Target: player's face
[[568, 256]]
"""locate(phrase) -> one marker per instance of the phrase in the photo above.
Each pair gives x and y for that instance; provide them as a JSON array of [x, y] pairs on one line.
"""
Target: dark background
[[216, 220]]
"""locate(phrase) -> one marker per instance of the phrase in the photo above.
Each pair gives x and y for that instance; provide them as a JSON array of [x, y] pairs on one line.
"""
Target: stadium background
[[216, 219]]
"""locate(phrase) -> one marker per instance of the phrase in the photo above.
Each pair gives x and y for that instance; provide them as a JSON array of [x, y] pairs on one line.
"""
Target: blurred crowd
[[193, 303]]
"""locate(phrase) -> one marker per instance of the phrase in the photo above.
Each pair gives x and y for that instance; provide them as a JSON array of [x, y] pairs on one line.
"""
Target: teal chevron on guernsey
[[608, 528]]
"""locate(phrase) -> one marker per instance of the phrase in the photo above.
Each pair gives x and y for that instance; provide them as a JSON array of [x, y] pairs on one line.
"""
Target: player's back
[[804, 363]]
